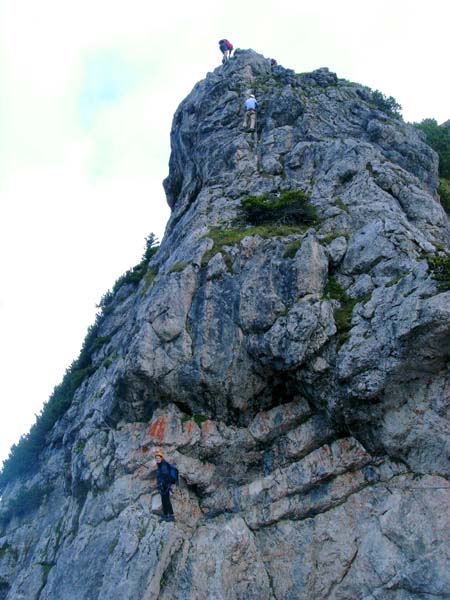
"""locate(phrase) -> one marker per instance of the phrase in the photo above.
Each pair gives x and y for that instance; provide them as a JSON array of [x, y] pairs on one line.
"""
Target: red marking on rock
[[205, 427], [189, 427], [263, 420], [157, 429]]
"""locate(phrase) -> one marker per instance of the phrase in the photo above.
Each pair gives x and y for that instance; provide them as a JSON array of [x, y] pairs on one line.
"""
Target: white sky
[[87, 93]]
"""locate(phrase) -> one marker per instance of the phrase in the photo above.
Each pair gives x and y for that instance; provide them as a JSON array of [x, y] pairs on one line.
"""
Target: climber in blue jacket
[[250, 106], [164, 479]]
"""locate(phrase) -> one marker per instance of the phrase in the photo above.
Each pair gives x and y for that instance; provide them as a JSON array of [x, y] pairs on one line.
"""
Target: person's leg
[[252, 120], [167, 505]]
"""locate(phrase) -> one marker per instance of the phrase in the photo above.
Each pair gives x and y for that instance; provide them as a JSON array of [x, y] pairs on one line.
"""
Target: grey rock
[[336, 250], [362, 287]]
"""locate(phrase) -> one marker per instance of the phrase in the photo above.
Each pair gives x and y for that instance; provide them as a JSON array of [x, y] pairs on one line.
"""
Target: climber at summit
[[250, 107], [226, 48], [166, 475]]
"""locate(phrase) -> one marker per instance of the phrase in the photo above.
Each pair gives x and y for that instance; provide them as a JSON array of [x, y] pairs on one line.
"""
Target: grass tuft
[[439, 267]]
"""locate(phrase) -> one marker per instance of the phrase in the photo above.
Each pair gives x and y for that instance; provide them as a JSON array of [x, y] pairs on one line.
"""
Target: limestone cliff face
[[299, 378]]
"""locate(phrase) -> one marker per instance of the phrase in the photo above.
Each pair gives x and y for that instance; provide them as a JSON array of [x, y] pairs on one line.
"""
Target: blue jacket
[[251, 104], [163, 477]]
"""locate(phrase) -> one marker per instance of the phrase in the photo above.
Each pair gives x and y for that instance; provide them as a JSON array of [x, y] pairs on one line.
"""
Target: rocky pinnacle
[[296, 372]]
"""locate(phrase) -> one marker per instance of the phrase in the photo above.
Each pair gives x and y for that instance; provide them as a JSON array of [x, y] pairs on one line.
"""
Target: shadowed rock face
[[310, 426]]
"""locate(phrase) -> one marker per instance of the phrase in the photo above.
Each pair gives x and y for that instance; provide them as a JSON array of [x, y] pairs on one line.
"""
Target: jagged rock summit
[[296, 370]]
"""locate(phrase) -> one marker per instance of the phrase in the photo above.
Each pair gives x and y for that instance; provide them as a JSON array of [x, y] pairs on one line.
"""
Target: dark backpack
[[173, 473]]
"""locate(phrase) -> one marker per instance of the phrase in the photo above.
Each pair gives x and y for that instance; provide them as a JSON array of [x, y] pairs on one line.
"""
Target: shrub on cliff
[[133, 275], [288, 208], [444, 194], [343, 314], [25, 501], [387, 104], [439, 267], [438, 137]]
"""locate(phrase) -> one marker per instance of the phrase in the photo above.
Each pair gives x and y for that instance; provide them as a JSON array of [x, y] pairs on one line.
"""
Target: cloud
[[106, 79], [124, 113]]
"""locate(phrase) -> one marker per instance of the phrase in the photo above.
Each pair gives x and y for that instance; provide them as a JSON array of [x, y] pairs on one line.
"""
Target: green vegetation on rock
[[288, 208], [291, 250], [46, 568], [271, 216], [113, 545], [134, 275], [25, 501], [79, 447], [387, 104], [394, 281], [444, 194], [343, 314], [231, 237], [329, 237], [148, 280], [107, 362], [438, 137], [440, 270], [198, 419], [178, 267], [6, 549], [379, 101], [340, 204]]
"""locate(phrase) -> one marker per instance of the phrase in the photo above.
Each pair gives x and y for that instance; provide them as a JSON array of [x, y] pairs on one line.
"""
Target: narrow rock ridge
[[297, 375]]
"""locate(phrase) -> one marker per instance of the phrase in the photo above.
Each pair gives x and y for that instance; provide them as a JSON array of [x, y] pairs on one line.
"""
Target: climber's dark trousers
[[166, 504]]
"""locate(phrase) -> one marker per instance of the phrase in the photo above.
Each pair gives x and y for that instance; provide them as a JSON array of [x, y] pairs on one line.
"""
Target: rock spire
[[287, 347]]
